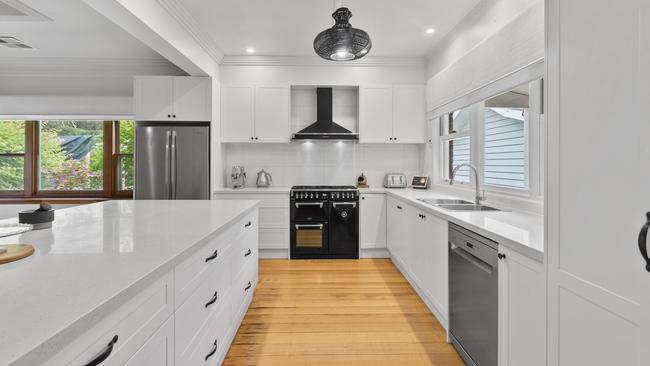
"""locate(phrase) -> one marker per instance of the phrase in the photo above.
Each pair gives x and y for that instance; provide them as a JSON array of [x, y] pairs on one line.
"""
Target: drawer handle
[[213, 350], [248, 253], [249, 224], [248, 287], [213, 299], [501, 256], [399, 207], [104, 355], [213, 256]]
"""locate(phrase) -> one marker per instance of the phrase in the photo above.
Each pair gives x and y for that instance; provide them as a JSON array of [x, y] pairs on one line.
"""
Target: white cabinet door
[[237, 116], [522, 310], [409, 114], [272, 113], [433, 261], [376, 113], [396, 228], [598, 286], [153, 98], [372, 221], [159, 349], [192, 99]]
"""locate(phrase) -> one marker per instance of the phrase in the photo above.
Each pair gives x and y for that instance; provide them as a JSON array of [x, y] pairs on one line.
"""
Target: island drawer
[[243, 288], [208, 299], [192, 272], [127, 328], [244, 251]]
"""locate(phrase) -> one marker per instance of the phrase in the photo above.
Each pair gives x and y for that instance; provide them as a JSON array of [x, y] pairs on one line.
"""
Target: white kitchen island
[[170, 279]]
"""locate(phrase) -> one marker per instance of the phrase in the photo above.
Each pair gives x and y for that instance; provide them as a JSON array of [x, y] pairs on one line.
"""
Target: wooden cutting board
[[14, 252]]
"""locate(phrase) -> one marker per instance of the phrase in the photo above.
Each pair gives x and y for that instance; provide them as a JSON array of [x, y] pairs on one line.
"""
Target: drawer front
[[274, 238], [204, 302], [274, 217], [192, 272], [243, 288], [159, 349], [244, 252], [137, 321], [209, 345]]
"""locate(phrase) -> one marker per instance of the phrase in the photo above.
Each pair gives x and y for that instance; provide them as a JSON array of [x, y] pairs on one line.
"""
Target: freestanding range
[[324, 222]]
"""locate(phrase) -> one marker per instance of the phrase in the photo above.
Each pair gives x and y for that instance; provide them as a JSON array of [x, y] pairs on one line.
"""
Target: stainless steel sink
[[444, 201], [467, 207]]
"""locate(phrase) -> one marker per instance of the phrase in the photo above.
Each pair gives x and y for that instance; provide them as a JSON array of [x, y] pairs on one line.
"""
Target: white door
[[409, 114], [376, 113], [435, 278], [237, 113], [192, 99], [272, 113], [598, 81], [153, 98], [372, 221], [159, 349]]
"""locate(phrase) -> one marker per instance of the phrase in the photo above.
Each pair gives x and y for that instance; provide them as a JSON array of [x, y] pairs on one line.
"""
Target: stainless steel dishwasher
[[473, 296]]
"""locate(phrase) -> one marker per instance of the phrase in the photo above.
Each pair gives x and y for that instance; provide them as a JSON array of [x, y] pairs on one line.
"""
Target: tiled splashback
[[329, 163]]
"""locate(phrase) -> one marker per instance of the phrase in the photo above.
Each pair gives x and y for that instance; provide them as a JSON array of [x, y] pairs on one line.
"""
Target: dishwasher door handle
[[477, 262]]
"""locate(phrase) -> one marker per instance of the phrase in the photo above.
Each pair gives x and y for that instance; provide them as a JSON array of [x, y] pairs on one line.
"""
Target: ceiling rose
[[342, 42]]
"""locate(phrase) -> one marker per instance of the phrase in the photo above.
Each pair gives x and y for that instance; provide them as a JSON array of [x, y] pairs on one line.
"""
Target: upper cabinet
[[392, 114], [255, 113], [172, 98]]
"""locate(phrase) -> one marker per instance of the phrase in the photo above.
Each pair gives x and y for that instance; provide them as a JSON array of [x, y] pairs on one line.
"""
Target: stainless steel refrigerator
[[172, 161]]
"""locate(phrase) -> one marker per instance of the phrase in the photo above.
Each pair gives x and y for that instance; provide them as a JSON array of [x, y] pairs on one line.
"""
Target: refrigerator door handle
[[167, 168], [174, 168]]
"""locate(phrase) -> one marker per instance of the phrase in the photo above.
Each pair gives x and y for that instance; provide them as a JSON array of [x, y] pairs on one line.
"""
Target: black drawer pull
[[213, 256], [643, 236], [248, 253], [469, 245], [104, 355], [248, 287], [213, 299], [213, 350], [399, 207], [249, 224], [501, 256]]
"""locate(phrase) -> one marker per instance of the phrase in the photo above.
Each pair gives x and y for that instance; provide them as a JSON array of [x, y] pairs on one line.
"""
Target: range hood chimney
[[324, 128]]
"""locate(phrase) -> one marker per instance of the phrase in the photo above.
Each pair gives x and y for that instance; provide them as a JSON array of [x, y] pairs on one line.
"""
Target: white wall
[[313, 163]]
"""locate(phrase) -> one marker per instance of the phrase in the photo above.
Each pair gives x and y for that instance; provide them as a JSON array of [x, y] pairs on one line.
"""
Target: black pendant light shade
[[342, 42]]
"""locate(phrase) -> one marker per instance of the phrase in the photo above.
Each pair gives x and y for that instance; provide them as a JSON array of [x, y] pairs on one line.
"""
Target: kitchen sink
[[444, 201], [467, 207]]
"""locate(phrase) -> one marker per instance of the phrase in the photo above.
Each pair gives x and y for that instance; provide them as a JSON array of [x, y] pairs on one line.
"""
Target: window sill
[[55, 200]]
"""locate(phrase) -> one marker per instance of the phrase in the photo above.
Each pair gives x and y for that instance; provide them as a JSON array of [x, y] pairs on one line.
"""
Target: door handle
[[320, 204], [174, 169], [248, 286], [249, 252], [643, 246], [167, 168], [104, 355], [353, 204], [213, 256], [213, 350], [314, 226], [213, 299]]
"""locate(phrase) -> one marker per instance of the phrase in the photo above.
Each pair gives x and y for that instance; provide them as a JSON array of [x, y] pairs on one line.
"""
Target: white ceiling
[[288, 27], [74, 31]]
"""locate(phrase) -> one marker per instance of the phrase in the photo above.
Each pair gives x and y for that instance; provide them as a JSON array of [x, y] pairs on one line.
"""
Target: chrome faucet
[[479, 196]]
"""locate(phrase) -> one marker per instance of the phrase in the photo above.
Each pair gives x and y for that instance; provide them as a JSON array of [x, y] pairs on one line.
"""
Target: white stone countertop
[[94, 259], [269, 190]]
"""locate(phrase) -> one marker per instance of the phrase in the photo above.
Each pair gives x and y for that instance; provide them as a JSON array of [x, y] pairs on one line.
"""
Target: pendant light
[[342, 42]]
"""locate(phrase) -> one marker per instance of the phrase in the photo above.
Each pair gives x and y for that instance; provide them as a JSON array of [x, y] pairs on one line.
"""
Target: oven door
[[309, 240], [309, 211]]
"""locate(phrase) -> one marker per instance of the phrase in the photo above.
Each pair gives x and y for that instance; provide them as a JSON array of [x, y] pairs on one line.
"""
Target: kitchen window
[[66, 159], [456, 142]]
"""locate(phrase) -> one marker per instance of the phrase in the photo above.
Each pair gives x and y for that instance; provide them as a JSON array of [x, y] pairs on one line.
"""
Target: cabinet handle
[[169, 116], [174, 116], [213, 350], [363, 198], [213, 299], [247, 253], [399, 207], [256, 138], [104, 355], [643, 247], [252, 138], [213, 256], [501, 256], [248, 287], [248, 224]]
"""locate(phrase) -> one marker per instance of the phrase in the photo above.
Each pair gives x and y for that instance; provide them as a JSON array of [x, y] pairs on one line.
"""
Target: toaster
[[395, 180]]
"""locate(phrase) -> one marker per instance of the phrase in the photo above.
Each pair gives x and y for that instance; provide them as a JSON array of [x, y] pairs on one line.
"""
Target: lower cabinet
[[372, 221], [159, 349], [522, 310]]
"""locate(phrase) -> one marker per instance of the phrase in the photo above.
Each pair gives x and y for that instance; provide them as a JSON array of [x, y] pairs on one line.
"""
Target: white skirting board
[[284, 253], [375, 253]]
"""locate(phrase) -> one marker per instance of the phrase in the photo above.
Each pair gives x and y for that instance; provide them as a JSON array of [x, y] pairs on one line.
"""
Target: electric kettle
[[264, 179]]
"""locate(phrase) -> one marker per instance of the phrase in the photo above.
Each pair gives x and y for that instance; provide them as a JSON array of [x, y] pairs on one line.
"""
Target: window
[[456, 144], [66, 158], [505, 162]]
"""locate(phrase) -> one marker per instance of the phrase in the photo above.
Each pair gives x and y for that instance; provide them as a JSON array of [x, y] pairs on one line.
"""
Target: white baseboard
[[374, 253], [274, 253]]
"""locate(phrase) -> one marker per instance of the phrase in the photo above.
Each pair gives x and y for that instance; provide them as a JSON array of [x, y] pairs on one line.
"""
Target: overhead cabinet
[[172, 98], [392, 114], [255, 113]]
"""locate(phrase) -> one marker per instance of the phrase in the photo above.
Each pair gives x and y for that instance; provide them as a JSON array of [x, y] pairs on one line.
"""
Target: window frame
[[32, 190], [446, 137]]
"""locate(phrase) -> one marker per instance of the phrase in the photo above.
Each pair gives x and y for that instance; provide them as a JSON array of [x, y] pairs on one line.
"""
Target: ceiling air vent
[[11, 42]]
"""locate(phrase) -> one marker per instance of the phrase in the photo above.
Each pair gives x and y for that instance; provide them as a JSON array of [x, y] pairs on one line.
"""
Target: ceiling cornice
[[367, 61], [94, 67], [187, 21]]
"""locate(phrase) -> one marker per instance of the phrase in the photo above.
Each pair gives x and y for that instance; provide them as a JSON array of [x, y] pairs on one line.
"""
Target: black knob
[[174, 116], [395, 138], [252, 138], [501, 256], [256, 138], [363, 198], [169, 116]]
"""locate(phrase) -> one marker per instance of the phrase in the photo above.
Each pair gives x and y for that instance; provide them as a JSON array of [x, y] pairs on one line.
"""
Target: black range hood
[[324, 128]]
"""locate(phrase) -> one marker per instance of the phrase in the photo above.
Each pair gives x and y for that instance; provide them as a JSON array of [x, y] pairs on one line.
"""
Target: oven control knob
[[344, 214], [311, 195]]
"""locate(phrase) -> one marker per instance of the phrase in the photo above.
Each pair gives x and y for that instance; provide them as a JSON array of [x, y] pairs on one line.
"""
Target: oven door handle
[[353, 204], [298, 204], [309, 226]]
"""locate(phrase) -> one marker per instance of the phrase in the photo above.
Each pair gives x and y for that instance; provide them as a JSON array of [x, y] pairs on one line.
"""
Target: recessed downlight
[[430, 31], [250, 50]]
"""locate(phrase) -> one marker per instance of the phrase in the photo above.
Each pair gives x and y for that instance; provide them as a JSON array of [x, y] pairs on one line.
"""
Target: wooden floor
[[338, 312]]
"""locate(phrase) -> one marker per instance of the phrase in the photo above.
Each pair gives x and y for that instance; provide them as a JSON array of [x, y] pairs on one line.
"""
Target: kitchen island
[[130, 270]]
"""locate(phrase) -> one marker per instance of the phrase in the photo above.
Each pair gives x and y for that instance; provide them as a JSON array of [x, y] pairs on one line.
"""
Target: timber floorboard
[[338, 312]]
